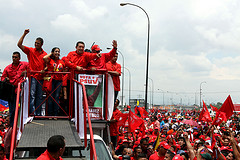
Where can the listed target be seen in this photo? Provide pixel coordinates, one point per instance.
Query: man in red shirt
(13, 74)
(36, 63)
(113, 124)
(55, 148)
(160, 155)
(114, 69)
(79, 59)
(100, 63)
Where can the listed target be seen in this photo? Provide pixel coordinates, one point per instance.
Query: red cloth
(114, 126)
(116, 80)
(14, 72)
(156, 157)
(224, 112)
(73, 59)
(56, 66)
(143, 112)
(35, 59)
(122, 119)
(46, 156)
(214, 108)
(205, 115)
(100, 63)
(134, 121)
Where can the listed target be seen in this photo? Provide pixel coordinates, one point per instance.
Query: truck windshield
(101, 149)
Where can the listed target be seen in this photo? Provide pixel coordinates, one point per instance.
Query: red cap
(178, 157)
(164, 145)
(226, 148)
(96, 48)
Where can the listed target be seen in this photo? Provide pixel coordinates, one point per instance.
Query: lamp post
(201, 92)
(129, 88)
(152, 89)
(148, 35)
(122, 72)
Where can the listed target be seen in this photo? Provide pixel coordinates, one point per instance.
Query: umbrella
(190, 122)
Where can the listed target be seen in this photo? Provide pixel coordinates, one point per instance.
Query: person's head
(39, 43)
(80, 47)
(144, 144)
(55, 53)
(181, 141)
(56, 145)
(16, 56)
(96, 49)
(163, 148)
(137, 151)
(169, 155)
(127, 151)
(114, 59)
(226, 142)
(184, 155)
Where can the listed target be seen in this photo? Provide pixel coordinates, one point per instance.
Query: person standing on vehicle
(79, 59)
(36, 63)
(55, 148)
(114, 69)
(13, 74)
(100, 63)
(54, 64)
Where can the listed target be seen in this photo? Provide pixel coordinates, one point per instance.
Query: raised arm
(47, 58)
(20, 41)
(189, 146)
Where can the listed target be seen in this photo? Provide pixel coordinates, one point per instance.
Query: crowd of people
(167, 136)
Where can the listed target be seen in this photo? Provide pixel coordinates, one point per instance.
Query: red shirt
(116, 80)
(56, 66)
(113, 126)
(156, 157)
(46, 156)
(35, 58)
(73, 59)
(14, 72)
(100, 63)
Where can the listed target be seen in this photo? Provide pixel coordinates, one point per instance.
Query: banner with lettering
(94, 85)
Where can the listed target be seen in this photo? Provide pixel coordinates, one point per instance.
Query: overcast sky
(191, 41)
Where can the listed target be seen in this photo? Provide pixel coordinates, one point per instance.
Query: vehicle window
(102, 151)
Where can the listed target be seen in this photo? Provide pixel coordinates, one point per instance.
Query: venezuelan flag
(3, 105)
(157, 142)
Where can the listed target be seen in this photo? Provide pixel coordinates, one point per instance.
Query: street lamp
(122, 71)
(152, 89)
(148, 35)
(129, 88)
(201, 92)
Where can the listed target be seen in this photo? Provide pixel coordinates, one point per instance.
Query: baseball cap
(207, 156)
(164, 145)
(96, 48)
(178, 157)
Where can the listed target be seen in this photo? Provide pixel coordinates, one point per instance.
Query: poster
(94, 85)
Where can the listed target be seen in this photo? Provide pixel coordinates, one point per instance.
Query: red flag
(224, 112)
(134, 121)
(122, 119)
(205, 115)
(214, 108)
(213, 141)
(142, 112)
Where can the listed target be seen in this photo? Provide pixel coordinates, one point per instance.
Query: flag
(143, 112)
(156, 142)
(224, 112)
(3, 105)
(214, 108)
(213, 141)
(205, 115)
(122, 119)
(134, 121)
